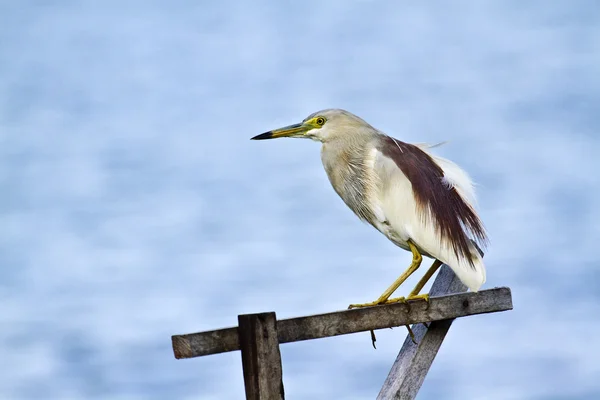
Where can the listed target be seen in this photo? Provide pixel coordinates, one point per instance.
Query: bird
(421, 202)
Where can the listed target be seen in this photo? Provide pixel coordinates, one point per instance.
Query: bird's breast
(348, 171)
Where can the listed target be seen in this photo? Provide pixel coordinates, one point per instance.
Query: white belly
(399, 225)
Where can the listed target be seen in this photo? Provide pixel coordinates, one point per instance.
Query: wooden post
(258, 336)
(351, 321)
(261, 359)
(414, 360)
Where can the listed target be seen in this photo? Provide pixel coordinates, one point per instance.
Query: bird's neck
(344, 163)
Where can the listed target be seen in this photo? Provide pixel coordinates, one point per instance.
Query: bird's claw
(402, 299)
(378, 302)
(418, 297)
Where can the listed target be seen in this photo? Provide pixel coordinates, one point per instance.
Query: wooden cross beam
(258, 336)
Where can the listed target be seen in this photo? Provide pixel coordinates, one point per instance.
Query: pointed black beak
(263, 136)
(296, 130)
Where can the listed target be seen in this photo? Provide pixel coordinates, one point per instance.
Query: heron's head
(322, 126)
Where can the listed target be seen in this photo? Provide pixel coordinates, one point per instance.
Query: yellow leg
(414, 294)
(385, 297)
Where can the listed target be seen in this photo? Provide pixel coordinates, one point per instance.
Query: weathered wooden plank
(261, 359)
(351, 321)
(414, 360)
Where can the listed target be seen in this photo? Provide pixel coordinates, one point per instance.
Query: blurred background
(134, 206)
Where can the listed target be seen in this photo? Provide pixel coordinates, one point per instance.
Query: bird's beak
(296, 130)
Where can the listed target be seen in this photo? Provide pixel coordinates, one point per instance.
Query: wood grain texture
(356, 320)
(261, 358)
(414, 360)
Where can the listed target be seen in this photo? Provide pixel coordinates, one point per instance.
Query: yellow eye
(320, 121)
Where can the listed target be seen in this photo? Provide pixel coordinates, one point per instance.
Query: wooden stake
(261, 359)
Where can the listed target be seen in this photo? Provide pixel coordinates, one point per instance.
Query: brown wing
(453, 216)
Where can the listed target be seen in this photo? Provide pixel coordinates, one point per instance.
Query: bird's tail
(471, 274)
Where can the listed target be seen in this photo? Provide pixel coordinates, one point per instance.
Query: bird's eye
(320, 121)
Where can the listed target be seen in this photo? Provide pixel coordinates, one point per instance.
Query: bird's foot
(378, 302)
(407, 300)
(418, 297)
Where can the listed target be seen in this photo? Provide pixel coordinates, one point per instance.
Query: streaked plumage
(401, 189)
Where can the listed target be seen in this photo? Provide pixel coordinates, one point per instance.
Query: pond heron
(423, 203)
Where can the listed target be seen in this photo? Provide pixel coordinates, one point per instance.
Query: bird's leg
(385, 297)
(414, 294)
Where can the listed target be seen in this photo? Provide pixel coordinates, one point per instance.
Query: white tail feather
(454, 176)
(473, 276)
